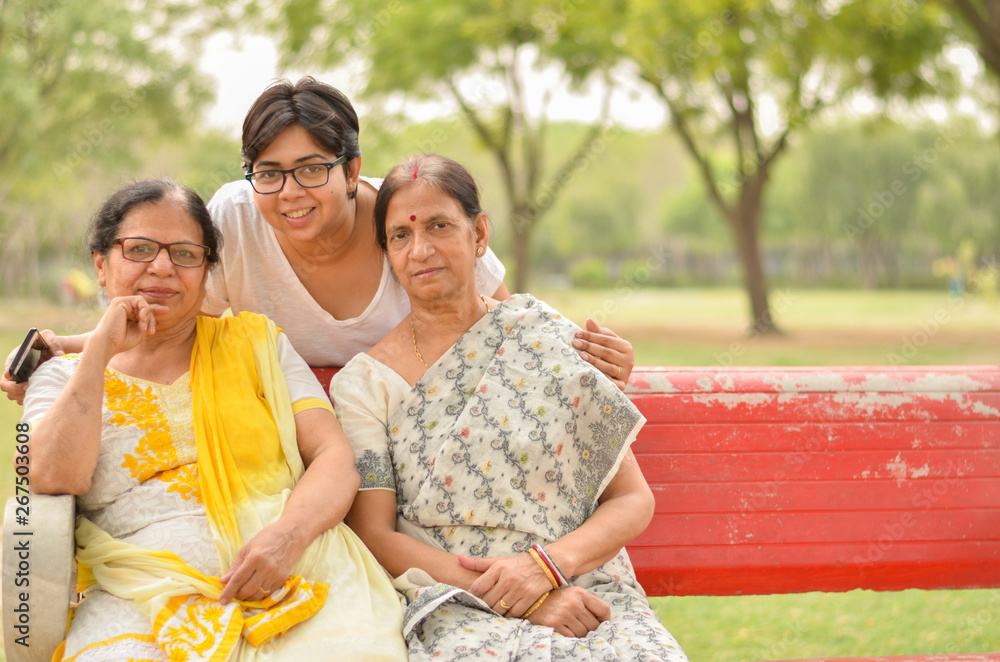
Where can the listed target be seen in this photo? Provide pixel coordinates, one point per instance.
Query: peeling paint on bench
(775, 480)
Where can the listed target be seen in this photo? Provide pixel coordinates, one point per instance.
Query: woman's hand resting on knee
(571, 611)
(512, 584)
(508, 584)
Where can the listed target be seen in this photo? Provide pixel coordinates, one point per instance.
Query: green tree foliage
(720, 66)
(873, 197)
(860, 184)
(81, 82)
(478, 55)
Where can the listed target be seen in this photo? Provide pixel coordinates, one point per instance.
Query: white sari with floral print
(508, 440)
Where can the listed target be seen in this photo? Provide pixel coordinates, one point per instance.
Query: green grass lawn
(819, 327)
(706, 327)
(858, 623)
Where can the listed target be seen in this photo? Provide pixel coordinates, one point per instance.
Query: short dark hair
(104, 226)
(433, 170)
(321, 109)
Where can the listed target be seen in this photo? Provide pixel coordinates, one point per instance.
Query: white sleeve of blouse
(46, 384)
(361, 399)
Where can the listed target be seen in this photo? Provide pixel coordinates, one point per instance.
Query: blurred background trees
(845, 143)
(721, 66)
(88, 91)
(485, 60)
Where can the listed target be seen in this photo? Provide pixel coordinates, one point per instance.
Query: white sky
(243, 68)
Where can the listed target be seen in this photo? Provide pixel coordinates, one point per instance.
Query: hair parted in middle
(434, 170)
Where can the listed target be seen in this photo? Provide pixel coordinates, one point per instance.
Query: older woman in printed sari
(210, 472)
(497, 484)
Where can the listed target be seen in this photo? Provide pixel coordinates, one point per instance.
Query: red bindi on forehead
(413, 217)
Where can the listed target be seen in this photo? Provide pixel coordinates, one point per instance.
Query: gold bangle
(545, 568)
(532, 608)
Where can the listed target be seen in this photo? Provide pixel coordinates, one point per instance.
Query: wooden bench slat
(812, 379)
(854, 554)
(809, 436)
(899, 465)
(736, 408)
(772, 569)
(779, 494)
(969, 525)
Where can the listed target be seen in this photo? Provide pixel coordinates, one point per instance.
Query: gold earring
(480, 251)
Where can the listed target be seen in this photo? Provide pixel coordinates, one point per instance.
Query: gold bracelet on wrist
(545, 568)
(534, 607)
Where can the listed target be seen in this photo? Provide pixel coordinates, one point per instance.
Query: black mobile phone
(26, 359)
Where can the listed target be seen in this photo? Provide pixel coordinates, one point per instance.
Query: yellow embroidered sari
(188, 473)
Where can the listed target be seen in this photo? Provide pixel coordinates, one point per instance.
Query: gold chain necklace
(413, 332)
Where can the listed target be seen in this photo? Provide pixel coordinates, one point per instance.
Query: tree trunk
(869, 263)
(744, 220)
(522, 226)
(754, 280)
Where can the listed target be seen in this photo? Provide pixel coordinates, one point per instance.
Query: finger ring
(504, 604)
(619, 373)
(266, 593)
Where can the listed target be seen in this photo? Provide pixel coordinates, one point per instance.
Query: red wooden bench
(786, 480)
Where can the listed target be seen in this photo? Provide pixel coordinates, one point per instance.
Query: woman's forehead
(161, 217)
(416, 197)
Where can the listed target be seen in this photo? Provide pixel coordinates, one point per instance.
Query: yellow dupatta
(241, 406)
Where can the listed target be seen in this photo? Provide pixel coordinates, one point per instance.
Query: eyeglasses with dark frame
(309, 175)
(182, 253)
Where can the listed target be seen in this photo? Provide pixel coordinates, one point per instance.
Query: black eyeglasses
(310, 175)
(183, 254)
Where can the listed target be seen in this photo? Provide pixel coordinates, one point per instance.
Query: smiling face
(180, 289)
(431, 244)
(306, 214)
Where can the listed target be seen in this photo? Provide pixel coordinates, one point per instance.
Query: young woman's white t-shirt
(255, 275)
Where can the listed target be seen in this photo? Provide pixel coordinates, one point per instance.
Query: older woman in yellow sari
(211, 475)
